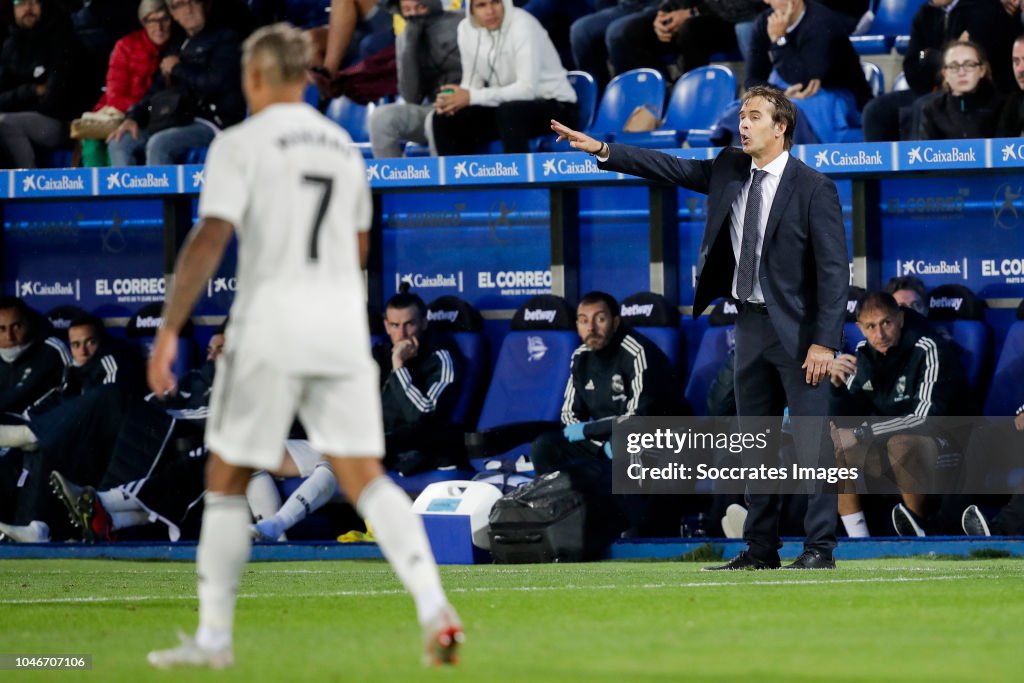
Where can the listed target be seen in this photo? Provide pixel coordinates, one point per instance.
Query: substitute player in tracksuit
(903, 373)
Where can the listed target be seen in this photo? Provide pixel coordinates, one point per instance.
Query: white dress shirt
(769, 185)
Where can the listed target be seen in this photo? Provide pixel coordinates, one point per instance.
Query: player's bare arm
(200, 256)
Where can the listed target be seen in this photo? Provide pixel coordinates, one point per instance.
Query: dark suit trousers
(767, 380)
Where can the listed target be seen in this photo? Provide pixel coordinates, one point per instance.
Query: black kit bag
(170, 108)
(543, 521)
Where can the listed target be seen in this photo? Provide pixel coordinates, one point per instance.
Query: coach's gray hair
(283, 51)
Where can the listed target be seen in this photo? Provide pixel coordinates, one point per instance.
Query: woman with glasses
(969, 106)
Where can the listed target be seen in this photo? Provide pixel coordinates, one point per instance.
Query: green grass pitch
(873, 620)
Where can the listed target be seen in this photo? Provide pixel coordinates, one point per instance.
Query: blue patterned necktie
(748, 242)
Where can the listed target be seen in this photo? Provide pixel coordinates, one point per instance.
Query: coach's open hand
(818, 363)
(577, 140)
(158, 372)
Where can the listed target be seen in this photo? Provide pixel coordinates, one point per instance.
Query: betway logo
(638, 309)
(131, 181)
(389, 172)
(42, 183)
(475, 169)
(450, 316)
(149, 322)
(729, 308)
(930, 155)
(947, 302)
(547, 316)
(567, 167)
(943, 267)
(34, 288)
(837, 157)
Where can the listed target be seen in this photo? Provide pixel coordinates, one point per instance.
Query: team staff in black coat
(792, 278)
(614, 373)
(905, 372)
(32, 364)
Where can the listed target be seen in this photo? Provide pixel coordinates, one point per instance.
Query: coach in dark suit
(774, 239)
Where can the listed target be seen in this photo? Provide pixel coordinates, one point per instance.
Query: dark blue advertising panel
(967, 231)
(101, 255)
(491, 248)
(614, 240)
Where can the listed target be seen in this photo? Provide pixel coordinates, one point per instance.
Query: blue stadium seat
(626, 92)
(586, 96)
(141, 332)
(653, 316)
(892, 19)
(530, 374)
(1004, 392)
(874, 77)
(307, 13)
(714, 348)
(958, 314)
(353, 117)
(851, 333)
(697, 101)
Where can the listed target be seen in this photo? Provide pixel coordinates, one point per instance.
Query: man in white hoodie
(513, 83)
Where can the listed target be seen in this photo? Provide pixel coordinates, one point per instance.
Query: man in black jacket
(903, 374)
(41, 86)
(32, 364)
(196, 93)
(615, 373)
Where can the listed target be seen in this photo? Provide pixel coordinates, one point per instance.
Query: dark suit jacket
(804, 269)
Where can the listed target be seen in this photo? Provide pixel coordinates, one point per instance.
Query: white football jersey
(295, 189)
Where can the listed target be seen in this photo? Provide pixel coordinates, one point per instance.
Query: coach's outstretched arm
(578, 140)
(200, 256)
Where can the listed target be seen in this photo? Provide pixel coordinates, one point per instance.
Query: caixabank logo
(956, 269)
(556, 167)
(942, 155)
(193, 178)
(487, 170)
(450, 280)
(120, 181)
(849, 158)
(66, 289)
(1007, 153)
(57, 183)
(402, 172)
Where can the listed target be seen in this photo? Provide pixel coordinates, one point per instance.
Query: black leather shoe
(744, 561)
(812, 559)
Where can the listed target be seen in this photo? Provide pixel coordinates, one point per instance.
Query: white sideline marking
(485, 589)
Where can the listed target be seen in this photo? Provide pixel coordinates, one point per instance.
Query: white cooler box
(455, 515)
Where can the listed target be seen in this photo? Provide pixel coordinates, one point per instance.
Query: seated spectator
(896, 115)
(512, 85)
(1011, 121)
(419, 387)
(196, 93)
(909, 292)
(614, 373)
(32, 363)
(133, 63)
(73, 429)
(905, 372)
(593, 37)
(803, 48)
(970, 105)
(156, 471)
(428, 57)
(692, 30)
(356, 30)
(41, 87)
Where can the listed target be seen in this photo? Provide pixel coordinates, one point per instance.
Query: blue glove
(574, 432)
(608, 448)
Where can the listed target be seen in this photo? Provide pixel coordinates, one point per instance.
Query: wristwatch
(859, 434)
(781, 42)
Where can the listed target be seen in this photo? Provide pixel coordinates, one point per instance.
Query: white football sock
(401, 537)
(311, 495)
(856, 525)
(116, 500)
(33, 532)
(123, 520)
(264, 500)
(220, 559)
